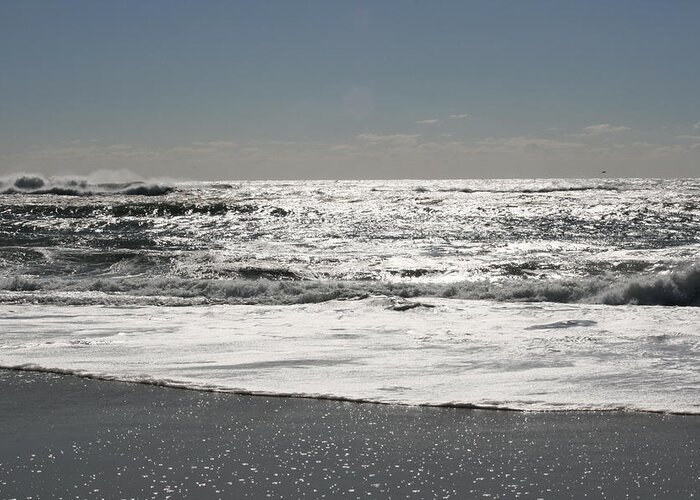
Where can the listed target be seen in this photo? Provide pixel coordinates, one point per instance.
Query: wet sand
(68, 437)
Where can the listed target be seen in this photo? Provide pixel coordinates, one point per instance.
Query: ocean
(538, 295)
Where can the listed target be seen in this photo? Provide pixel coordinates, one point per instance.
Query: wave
(525, 190)
(680, 288)
(78, 186)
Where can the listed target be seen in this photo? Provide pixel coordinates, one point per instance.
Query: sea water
(519, 294)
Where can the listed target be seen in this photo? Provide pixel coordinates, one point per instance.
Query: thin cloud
(512, 144)
(602, 129)
(429, 121)
(459, 116)
(691, 141)
(216, 144)
(390, 139)
(673, 149)
(342, 148)
(697, 126)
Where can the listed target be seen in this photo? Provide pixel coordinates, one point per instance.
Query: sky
(350, 89)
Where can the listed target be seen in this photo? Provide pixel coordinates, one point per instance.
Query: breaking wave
(78, 186)
(680, 288)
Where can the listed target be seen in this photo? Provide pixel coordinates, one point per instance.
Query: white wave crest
(23, 183)
(680, 288)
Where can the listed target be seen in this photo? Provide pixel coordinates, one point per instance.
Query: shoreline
(331, 398)
(71, 436)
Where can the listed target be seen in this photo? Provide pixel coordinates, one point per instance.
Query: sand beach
(70, 437)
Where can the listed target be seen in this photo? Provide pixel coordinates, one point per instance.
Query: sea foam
(480, 354)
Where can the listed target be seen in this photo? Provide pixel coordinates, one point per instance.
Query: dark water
(604, 241)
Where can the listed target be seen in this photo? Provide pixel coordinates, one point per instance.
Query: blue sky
(320, 89)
